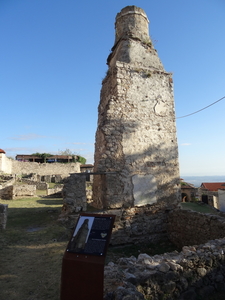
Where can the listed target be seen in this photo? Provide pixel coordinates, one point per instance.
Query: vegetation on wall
(76, 157)
(43, 156)
(81, 160)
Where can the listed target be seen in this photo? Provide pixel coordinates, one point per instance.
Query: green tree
(81, 160)
(76, 157)
(43, 156)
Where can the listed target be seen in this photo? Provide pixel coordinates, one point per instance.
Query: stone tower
(136, 152)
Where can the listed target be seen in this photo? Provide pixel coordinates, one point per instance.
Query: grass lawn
(33, 244)
(31, 250)
(199, 207)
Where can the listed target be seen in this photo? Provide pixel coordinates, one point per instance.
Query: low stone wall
(194, 273)
(39, 185)
(7, 193)
(15, 191)
(24, 190)
(139, 224)
(6, 181)
(186, 227)
(56, 191)
(3, 215)
(132, 225)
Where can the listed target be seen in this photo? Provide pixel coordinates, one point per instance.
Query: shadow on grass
(49, 201)
(199, 207)
(161, 247)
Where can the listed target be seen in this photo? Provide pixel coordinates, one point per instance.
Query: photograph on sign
(91, 235)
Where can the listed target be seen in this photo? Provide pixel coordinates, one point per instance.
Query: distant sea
(198, 180)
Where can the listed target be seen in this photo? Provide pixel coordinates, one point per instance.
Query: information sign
(91, 234)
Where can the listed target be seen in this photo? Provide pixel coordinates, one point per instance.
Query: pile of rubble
(195, 272)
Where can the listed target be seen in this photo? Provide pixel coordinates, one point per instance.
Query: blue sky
(53, 59)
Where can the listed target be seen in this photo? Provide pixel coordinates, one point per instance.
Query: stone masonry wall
(6, 186)
(132, 225)
(24, 190)
(19, 167)
(56, 191)
(136, 144)
(194, 273)
(39, 185)
(74, 195)
(192, 228)
(139, 225)
(15, 191)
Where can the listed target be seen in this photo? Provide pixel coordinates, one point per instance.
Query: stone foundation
(56, 191)
(192, 274)
(193, 228)
(15, 191)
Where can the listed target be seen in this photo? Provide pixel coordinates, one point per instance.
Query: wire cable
(201, 109)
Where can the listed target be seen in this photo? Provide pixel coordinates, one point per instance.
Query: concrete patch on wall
(144, 190)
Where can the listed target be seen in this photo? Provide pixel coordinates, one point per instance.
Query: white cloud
(83, 143)
(185, 144)
(26, 137)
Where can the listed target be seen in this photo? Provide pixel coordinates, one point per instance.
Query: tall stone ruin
(136, 152)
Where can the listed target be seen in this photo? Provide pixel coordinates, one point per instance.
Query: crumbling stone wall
(136, 145)
(39, 185)
(56, 191)
(74, 195)
(19, 167)
(6, 182)
(194, 273)
(14, 191)
(139, 225)
(132, 225)
(192, 228)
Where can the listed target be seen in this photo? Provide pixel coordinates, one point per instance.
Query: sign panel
(92, 234)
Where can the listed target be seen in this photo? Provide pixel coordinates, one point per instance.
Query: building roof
(213, 186)
(2, 151)
(186, 185)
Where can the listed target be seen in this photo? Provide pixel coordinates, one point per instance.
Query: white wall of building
(221, 196)
(5, 164)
